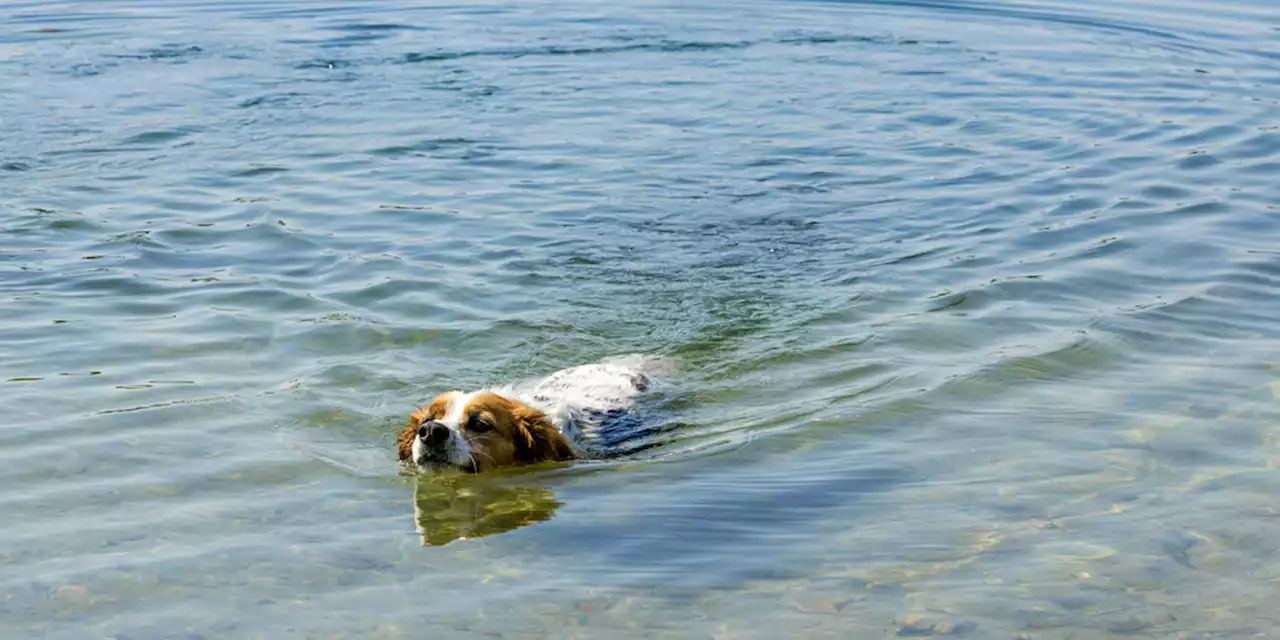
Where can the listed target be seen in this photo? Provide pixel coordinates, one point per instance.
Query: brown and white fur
(546, 420)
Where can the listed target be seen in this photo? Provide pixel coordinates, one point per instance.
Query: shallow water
(973, 307)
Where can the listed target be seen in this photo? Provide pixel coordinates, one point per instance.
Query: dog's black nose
(433, 433)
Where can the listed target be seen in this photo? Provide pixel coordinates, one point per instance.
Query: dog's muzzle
(439, 446)
(433, 433)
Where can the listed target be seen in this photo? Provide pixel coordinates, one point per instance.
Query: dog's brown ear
(538, 440)
(405, 440)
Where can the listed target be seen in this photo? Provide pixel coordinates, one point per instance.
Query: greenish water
(973, 308)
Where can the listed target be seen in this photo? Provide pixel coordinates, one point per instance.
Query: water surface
(973, 307)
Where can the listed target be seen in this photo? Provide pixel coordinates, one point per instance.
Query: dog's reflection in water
(458, 506)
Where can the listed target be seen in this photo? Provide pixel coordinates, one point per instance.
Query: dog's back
(577, 399)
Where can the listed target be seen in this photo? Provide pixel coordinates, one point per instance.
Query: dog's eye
(478, 424)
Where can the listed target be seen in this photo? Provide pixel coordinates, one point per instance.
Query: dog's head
(479, 431)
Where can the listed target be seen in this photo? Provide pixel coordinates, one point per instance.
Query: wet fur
(522, 434)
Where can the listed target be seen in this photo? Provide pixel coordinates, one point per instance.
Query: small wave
(1013, 11)
(664, 46)
(165, 53)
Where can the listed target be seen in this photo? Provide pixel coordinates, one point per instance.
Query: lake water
(974, 310)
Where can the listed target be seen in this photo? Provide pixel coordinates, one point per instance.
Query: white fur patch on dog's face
(455, 451)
